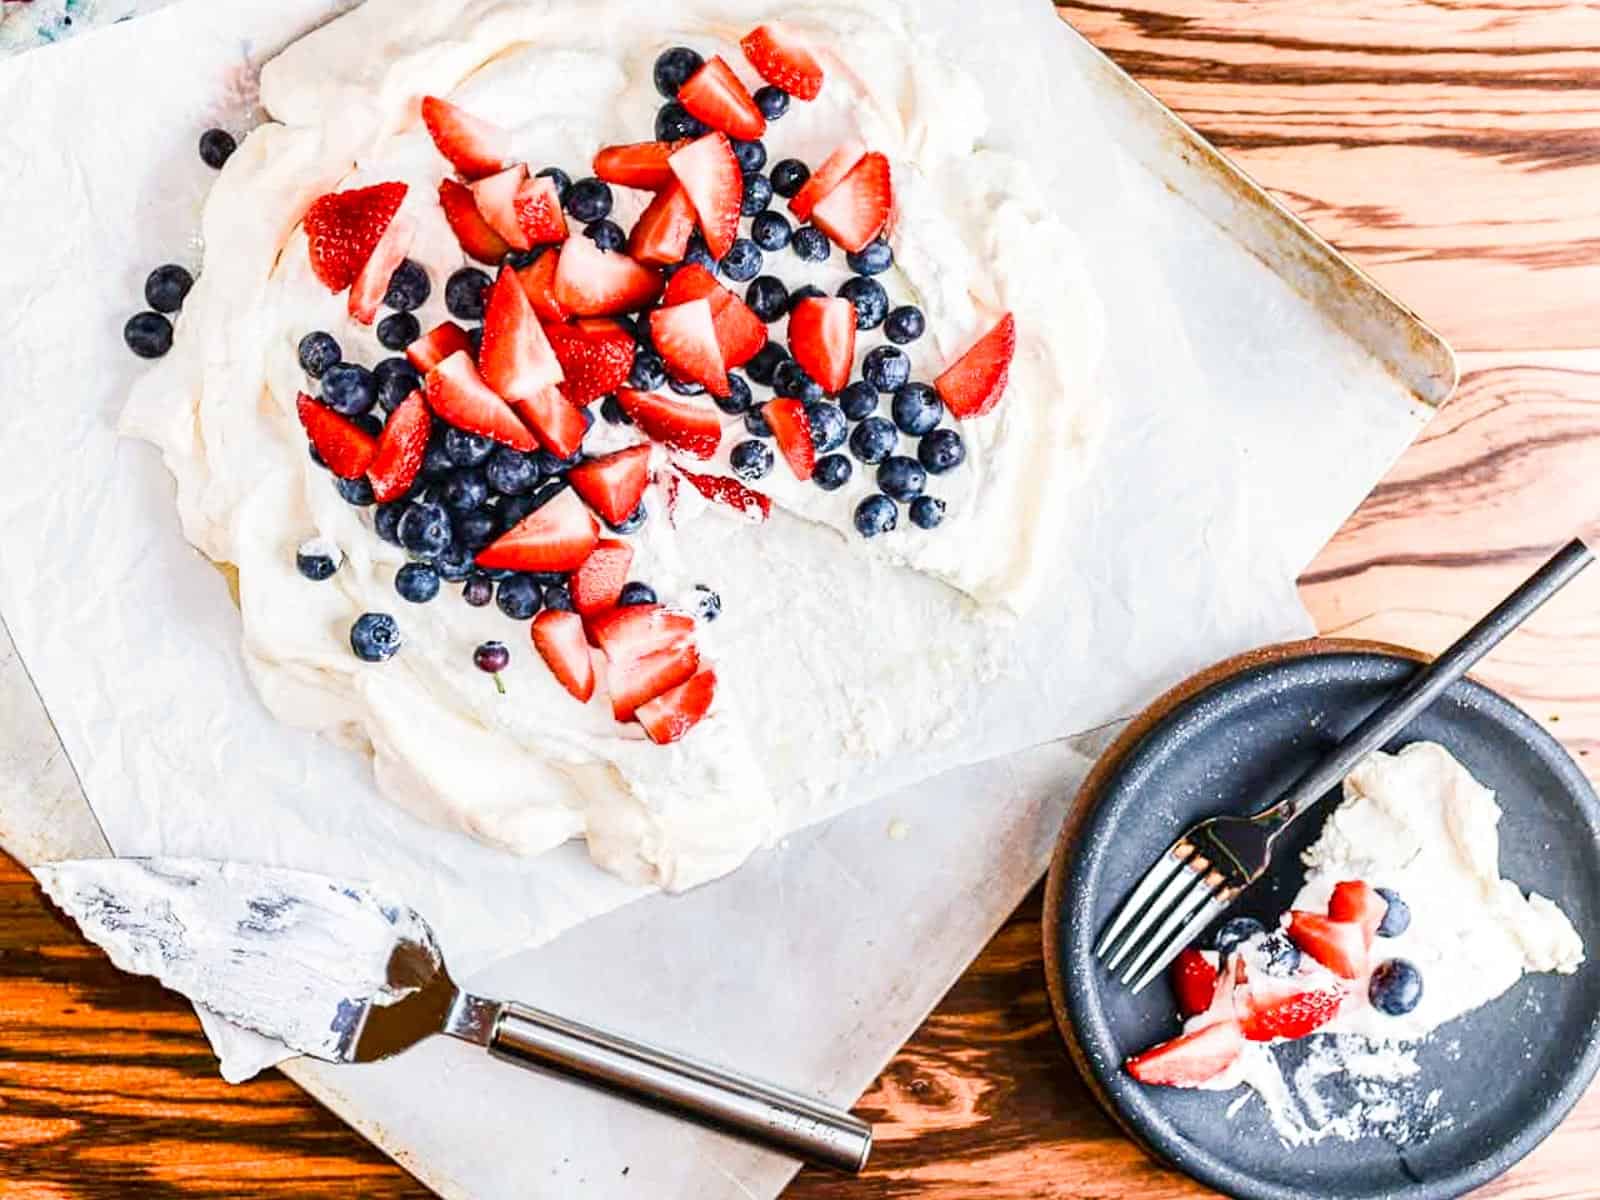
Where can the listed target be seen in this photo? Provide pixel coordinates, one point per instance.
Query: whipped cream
(831, 652)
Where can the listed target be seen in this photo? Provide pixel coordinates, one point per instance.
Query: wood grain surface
(1453, 148)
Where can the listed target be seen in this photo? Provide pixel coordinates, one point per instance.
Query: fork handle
(1429, 682)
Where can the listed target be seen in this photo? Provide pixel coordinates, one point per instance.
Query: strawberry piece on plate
(710, 174)
(827, 177)
(1271, 1007)
(559, 639)
(539, 281)
(729, 491)
(640, 165)
(715, 95)
(1194, 981)
(496, 198)
(792, 429)
(591, 282)
(556, 420)
(597, 585)
(1359, 904)
(661, 235)
(344, 446)
(649, 650)
(676, 424)
(740, 333)
(343, 228)
(822, 338)
(438, 344)
(366, 293)
(556, 536)
(613, 484)
(686, 338)
(458, 394)
(401, 448)
(516, 359)
(595, 357)
(1190, 1059)
(1338, 945)
(538, 211)
(974, 383)
(475, 147)
(467, 223)
(677, 710)
(783, 59)
(855, 211)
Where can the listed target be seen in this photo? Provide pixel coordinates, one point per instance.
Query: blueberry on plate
(632, 522)
(354, 491)
(767, 297)
(408, 287)
(772, 101)
(611, 409)
(674, 122)
(1239, 929)
(904, 325)
(589, 199)
(417, 582)
(466, 449)
(872, 259)
(832, 471)
(886, 368)
(511, 472)
(752, 155)
(698, 252)
(1277, 955)
(559, 597)
(916, 408)
(465, 490)
(166, 286)
(318, 351)
(738, 398)
(757, 195)
(828, 426)
(648, 372)
(873, 440)
(436, 464)
(216, 147)
(765, 362)
(399, 330)
(876, 514)
(751, 459)
(478, 590)
(465, 293)
(519, 597)
(927, 512)
(810, 244)
(1397, 917)
(902, 478)
(476, 529)
(742, 262)
(791, 382)
(386, 520)
(607, 235)
(560, 178)
(755, 423)
(374, 637)
(491, 658)
(317, 559)
(859, 400)
(789, 176)
(941, 451)
(148, 334)
(871, 301)
(1396, 987)
(673, 68)
(636, 593)
(424, 528)
(454, 563)
(395, 379)
(770, 230)
(349, 389)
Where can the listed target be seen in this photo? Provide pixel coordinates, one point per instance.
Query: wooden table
(1454, 150)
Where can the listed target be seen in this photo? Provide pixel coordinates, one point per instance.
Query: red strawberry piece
(661, 234)
(467, 223)
(438, 344)
(591, 282)
(1194, 981)
(715, 95)
(342, 228)
(458, 394)
(1359, 904)
(556, 536)
(597, 585)
(692, 282)
(539, 281)
(556, 420)
(1338, 945)
(496, 198)
(648, 650)
(1269, 1007)
(475, 147)
(640, 165)
(538, 210)
(792, 429)
(559, 639)
(827, 177)
(822, 338)
(974, 383)
(639, 680)
(613, 484)
(344, 446)
(516, 359)
(640, 629)
(710, 174)
(854, 213)
(596, 359)
(1190, 1059)
(676, 711)
(401, 447)
(686, 338)
(724, 490)
(366, 293)
(740, 333)
(676, 424)
(783, 59)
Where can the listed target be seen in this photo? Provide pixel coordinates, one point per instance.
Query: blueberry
(1397, 917)
(791, 381)
(465, 490)
(886, 368)
(767, 360)
(511, 472)
(408, 287)
(454, 563)
(648, 372)
(354, 491)
(876, 514)
(751, 459)
(674, 122)
(464, 293)
(752, 155)
(757, 195)
(636, 593)
(436, 464)
(386, 519)
(607, 235)
(166, 287)
(698, 252)
(872, 259)
(941, 451)
(1396, 987)
(1277, 955)
(832, 471)
(317, 559)
(632, 522)
(742, 262)
(686, 387)
(559, 597)
(828, 426)
(916, 408)
(424, 528)
(811, 244)
(673, 68)
(1233, 932)
(466, 449)
(476, 529)
(738, 398)
(394, 379)
(518, 597)
(370, 423)
(349, 388)
(789, 176)
(478, 590)
(475, 340)
(902, 478)
(491, 657)
(770, 230)
(551, 489)
(873, 440)
(755, 423)
(560, 178)
(707, 604)
(589, 200)
(904, 325)
(550, 463)
(374, 637)
(318, 352)
(772, 101)
(417, 582)
(216, 147)
(805, 291)
(399, 330)
(871, 301)
(611, 410)
(520, 259)
(859, 400)
(148, 334)
(767, 297)
(927, 512)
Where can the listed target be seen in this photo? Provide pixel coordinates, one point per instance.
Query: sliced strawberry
(1337, 945)
(639, 165)
(539, 281)
(596, 359)
(342, 228)
(1190, 1059)
(676, 711)
(974, 383)
(676, 424)
(591, 282)
(710, 174)
(401, 448)
(1359, 904)
(826, 177)
(648, 650)
(496, 198)
(1194, 981)
(692, 282)
(822, 338)
(516, 359)
(740, 333)
(686, 338)
(475, 147)
(662, 232)
(715, 95)
(639, 680)
(556, 420)
(783, 59)
(597, 585)
(725, 490)
(1272, 1006)
(438, 344)
(556, 536)
(366, 293)
(458, 394)
(856, 211)
(558, 637)
(792, 429)
(538, 211)
(467, 223)
(344, 446)
(613, 484)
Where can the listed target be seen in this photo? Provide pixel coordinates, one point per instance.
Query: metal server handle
(723, 1100)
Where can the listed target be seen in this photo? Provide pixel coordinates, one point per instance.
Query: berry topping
(1270, 1007)
(639, 165)
(1397, 917)
(661, 235)
(767, 296)
(589, 199)
(974, 383)
(398, 330)
(904, 325)
(607, 235)
(596, 356)
(783, 59)
(636, 593)
(148, 334)
(408, 288)
(473, 233)
(690, 428)
(349, 389)
(417, 582)
(648, 650)
(707, 605)
(792, 429)
(519, 597)
(885, 367)
(871, 301)
(537, 206)
(166, 286)
(810, 244)
(478, 590)
(613, 484)
(496, 198)
(832, 472)
(343, 228)
(317, 559)
(491, 658)
(874, 258)
(1191, 1059)
(538, 279)
(216, 147)
(591, 282)
(559, 423)
(789, 176)
(825, 178)
(474, 147)
(901, 478)
(597, 584)
(557, 536)
(742, 262)
(751, 460)
(401, 448)
(516, 360)
(458, 394)
(730, 492)
(856, 210)
(346, 448)
(438, 344)
(752, 156)
(873, 440)
(374, 637)
(828, 426)
(874, 515)
(859, 400)
(770, 231)
(757, 194)
(1359, 904)
(772, 101)
(318, 351)
(713, 94)
(673, 68)
(466, 293)
(941, 451)
(710, 174)
(354, 491)
(686, 338)
(558, 637)
(740, 333)
(677, 710)
(424, 528)
(1338, 945)
(464, 491)
(1396, 987)
(738, 398)
(674, 123)
(1194, 981)
(822, 338)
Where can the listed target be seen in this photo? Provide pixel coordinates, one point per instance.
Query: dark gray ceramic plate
(1519, 1064)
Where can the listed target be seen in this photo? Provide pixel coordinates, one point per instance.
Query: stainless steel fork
(1204, 871)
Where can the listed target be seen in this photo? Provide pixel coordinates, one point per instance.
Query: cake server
(342, 973)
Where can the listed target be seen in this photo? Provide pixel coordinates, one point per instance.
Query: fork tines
(1178, 897)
